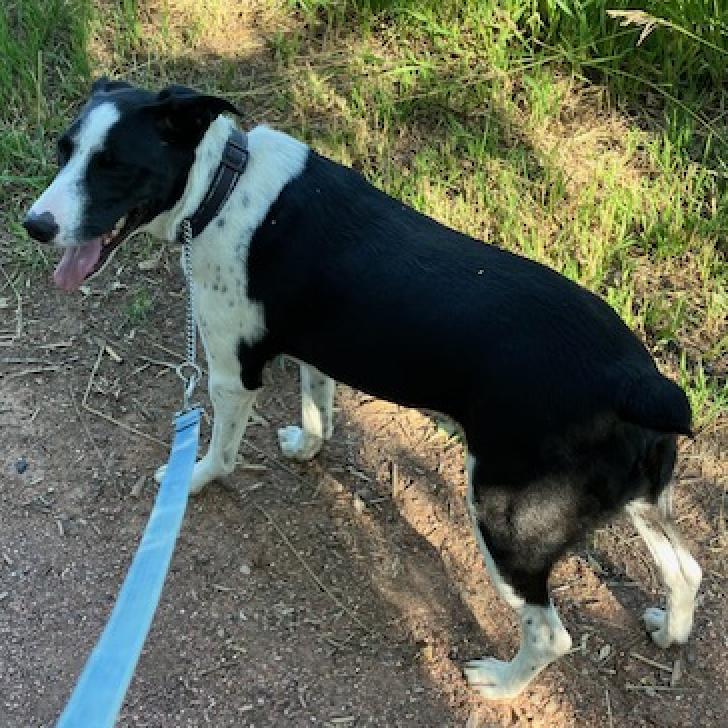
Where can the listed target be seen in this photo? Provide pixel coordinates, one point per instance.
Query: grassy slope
(477, 113)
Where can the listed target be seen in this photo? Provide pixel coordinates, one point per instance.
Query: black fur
(563, 409)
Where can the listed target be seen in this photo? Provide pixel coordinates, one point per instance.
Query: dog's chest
(224, 313)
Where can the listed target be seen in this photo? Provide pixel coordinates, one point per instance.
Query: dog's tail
(653, 401)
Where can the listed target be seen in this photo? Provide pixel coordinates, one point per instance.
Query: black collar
(229, 171)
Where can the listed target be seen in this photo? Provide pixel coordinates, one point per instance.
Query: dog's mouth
(81, 262)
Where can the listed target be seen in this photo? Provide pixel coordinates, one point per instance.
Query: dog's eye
(65, 148)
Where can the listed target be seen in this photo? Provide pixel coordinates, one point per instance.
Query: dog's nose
(42, 228)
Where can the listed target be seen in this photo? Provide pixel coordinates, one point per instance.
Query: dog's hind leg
(232, 405)
(678, 570)
(520, 576)
(317, 400)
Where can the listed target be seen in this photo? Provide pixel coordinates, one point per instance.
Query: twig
(103, 415)
(126, 427)
(609, 709)
(158, 362)
(395, 480)
(311, 573)
(136, 489)
(22, 360)
(94, 369)
(175, 354)
(57, 345)
(275, 460)
(104, 463)
(18, 305)
(32, 370)
(663, 688)
(659, 665)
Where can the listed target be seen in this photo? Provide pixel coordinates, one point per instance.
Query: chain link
(190, 364)
(191, 328)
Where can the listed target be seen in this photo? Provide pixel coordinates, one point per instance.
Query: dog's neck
(207, 158)
(274, 159)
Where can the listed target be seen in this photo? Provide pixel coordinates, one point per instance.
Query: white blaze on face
(65, 197)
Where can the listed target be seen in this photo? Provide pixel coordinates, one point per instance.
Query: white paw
(655, 620)
(494, 679)
(204, 472)
(298, 445)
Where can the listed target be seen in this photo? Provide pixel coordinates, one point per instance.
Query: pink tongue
(76, 264)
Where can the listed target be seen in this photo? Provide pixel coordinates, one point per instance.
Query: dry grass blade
(103, 415)
(18, 305)
(311, 572)
(105, 464)
(610, 719)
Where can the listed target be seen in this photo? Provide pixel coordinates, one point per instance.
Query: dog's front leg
(317, 401)
(232, 405)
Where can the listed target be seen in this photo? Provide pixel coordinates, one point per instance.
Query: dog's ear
(183, 115)
(105, 84)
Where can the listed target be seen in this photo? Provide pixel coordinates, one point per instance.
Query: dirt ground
(345, 592)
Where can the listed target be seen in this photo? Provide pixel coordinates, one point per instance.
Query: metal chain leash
(188, 371)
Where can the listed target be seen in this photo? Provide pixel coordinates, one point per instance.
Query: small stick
(175, 354)
(124, 426)
(22, 360)
(18, 306)
(311, 573)
(104, 463)
(275, 460)
(676, 673)
(664, 688)
(136, 489)
(158, 362)
(112, 354)
(94, 369)
(58, 345)
(609, 709)
(103, 415)
(32, 370)
(395, 480)
(659, 665)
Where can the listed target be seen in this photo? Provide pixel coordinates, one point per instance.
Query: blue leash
(99, 692)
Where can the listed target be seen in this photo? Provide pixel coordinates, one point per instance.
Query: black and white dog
(566, 417)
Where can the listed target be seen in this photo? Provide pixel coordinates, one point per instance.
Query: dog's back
(391, 302)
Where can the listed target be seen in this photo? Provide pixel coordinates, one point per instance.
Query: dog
(567, 420)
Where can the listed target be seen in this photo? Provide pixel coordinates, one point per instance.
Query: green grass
(542, 126)
(138, 306)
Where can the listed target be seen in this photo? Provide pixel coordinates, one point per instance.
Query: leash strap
(99, 692)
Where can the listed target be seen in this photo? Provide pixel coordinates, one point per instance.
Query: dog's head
(122, 162)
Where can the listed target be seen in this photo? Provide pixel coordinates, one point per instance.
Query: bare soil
(245, 634)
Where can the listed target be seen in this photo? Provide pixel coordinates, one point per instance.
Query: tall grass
(477, 112)
(585, 31)
(43, 49)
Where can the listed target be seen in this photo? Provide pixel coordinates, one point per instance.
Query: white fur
(317, 398)
(65, 198)
(678, 570)
(224, 313)
(543, 640)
